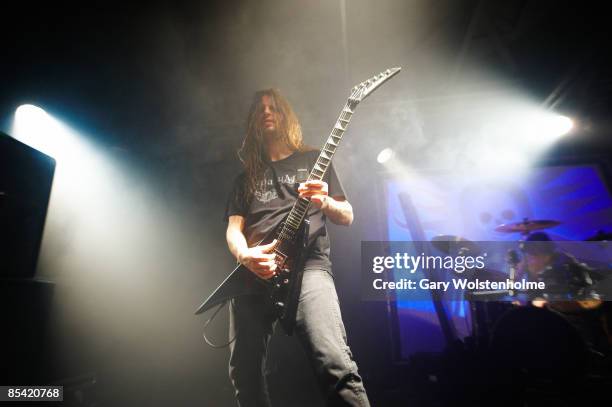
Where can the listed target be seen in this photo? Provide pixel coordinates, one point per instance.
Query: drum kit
(498, 315)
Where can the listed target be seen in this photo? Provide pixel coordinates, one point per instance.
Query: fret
(284, 235)
(287, 233)
(330, 148)
(295, 223)
(303, 206)
(318, 176)
(297, 220)
(320, 173)
(329, 156)
(318, 167)
(299, 215)
(322, 164)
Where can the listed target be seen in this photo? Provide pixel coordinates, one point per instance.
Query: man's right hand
(260, 260)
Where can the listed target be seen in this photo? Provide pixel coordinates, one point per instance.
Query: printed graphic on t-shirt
(266, 191)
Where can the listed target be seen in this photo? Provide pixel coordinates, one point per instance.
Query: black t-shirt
(273, 200)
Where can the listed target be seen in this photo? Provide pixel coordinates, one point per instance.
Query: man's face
(269, 116)
(536, 263)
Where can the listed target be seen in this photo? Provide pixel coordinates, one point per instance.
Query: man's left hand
(316, 191)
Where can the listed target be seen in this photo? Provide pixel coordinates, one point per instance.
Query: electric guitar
(292, 234)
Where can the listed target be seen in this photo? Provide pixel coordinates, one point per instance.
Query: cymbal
(526, 226)
(451, 243)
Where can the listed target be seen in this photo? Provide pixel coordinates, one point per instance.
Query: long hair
(253, 152)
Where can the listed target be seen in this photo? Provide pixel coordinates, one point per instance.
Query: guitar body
(282, 290)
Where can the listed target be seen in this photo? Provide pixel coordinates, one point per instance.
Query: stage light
(559, 125)
(38, 129)
(81, 167)
(385, 155)
(32, 126)
(31, 111)
(543, 128)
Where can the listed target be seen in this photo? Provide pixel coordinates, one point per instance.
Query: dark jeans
(319, 329)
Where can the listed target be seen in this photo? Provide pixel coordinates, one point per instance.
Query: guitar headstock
(364, 89)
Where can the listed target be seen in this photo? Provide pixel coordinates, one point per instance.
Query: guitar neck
(300, 207)
(331, 145)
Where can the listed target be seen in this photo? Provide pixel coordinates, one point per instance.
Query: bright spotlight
(385, 155)
(32, 111)
(38, 129)
(542, 128)
(560, 125)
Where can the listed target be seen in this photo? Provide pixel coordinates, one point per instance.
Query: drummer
(566, 280)
(564, 276)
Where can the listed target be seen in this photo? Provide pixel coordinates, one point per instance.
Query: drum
(484, 315)
(539, 341)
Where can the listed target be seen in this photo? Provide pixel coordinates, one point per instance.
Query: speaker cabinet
(26, 176)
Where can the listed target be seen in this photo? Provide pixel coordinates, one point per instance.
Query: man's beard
(271, 134)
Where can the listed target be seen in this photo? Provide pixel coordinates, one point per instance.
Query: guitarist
(276, 166)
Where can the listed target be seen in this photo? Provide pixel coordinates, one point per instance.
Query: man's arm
(236, 241)
(337, 209)
(258, 259)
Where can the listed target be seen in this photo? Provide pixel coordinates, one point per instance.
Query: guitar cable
(209, 342)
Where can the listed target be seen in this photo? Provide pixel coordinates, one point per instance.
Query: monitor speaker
(26, 176)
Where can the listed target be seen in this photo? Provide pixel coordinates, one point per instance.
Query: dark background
(164, 87)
